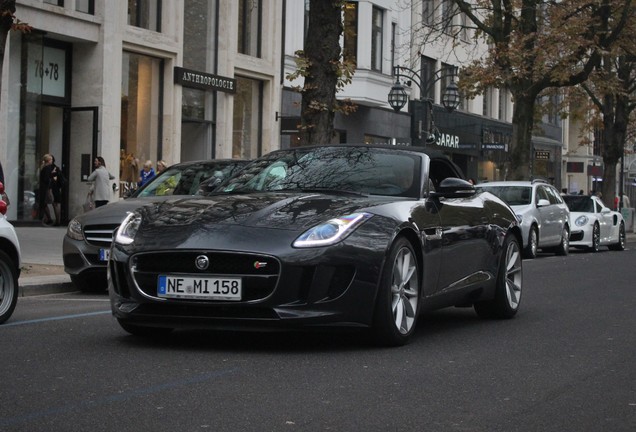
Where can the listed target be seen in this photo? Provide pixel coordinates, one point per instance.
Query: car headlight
(332, 231)
(74, 230)
(128, 228)
(581, 220)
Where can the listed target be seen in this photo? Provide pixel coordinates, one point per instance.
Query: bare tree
(534, 45)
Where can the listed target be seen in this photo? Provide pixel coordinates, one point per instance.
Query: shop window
(85, 6)
(141, 113)
(248, 103)
(377, 28)
(145, 14)
(350, 50)
(249, 27)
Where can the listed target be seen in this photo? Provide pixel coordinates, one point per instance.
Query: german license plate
(194, 287)
(104, 254)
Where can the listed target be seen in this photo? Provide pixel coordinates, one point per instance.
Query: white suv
(542, 213)
(10, 264)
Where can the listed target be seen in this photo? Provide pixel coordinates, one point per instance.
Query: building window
(55, 2)
(447, 14)
(85, 6)
(141, 113)
(427, 73)
(249, 27)
(145, 14)
(350, 50)
(428, 12)
(486, 101)
(197, 122)
(306, 23)
(248, 107)
(503, 104)
(377, 28)
(393, 45)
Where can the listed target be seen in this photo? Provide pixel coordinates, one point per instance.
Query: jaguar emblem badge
(202, 262)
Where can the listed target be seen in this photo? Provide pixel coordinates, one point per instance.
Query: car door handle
(429, 234)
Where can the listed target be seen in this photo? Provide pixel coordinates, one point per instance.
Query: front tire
(564, 247)
(507, 297)
(533, 244)
(596, 238)
(398, 301)
(8, 286)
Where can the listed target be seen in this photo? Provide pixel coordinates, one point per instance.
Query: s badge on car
(202, 262)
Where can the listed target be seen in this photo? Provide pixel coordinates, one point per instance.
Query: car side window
(541, 194)
(553, 196)
(440, 170)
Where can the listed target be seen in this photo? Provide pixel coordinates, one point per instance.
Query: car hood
(114, 213)
(284, 211)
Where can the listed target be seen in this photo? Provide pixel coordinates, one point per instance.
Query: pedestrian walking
(56, 185)
(101, 182)
(161, 166)
(45, 194)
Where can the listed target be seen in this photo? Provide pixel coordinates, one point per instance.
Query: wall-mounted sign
(46, 70)
(204, 81)
(542, 155)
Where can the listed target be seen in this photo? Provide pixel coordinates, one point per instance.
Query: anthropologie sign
(203, 81)
(46, 70)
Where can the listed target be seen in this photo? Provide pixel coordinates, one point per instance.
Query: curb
(41, 285)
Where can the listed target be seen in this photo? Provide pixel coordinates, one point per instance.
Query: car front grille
(100, 235)
(259, 273)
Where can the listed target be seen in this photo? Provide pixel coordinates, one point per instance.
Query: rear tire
(8, 286)
(620, 245)
(398, 302)
(507, 297)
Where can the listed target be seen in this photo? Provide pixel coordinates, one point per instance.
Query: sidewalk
(42, 264)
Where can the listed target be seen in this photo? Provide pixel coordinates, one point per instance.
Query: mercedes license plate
(104, 254)
(194, 287)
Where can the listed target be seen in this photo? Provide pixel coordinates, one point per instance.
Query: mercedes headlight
(74, 230)
(332, 231)
(126, 232)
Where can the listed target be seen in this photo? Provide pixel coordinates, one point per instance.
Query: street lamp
(397, 99)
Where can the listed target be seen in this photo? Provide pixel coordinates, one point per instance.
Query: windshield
(363, 170)
(579, 203)
(187, 179)
(512, 195)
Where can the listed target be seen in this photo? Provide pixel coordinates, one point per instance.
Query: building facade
(131, 81)
(138, 80)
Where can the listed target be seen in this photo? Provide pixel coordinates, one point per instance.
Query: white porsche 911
(594, 225)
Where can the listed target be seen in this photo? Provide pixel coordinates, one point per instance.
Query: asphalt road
(565, 363)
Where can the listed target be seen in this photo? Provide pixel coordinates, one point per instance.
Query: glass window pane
(249, 27)
(140, 113)
(247, 119)
(145, 14)
(85, 6)
(376, 41)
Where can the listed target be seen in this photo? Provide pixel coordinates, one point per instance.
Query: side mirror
(453, 187)
(543, 203)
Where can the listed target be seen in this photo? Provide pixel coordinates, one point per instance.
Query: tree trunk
(521, 144)
(322, 50)
(615, 121)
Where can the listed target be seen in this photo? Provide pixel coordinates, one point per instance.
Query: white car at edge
(594, 224)
(10, 264)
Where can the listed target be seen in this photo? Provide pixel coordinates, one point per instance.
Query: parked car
(10, 264)
(542, 213)
(594, 224)
(87, 241)
(355, 236)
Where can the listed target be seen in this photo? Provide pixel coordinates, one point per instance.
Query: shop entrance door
(80, 138)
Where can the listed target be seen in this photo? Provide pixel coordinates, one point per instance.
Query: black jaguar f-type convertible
(350, 236)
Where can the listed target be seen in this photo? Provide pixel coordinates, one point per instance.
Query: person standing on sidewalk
(101, 182)
(45, 195)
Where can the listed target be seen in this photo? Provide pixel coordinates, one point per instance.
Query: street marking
(63, 317)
